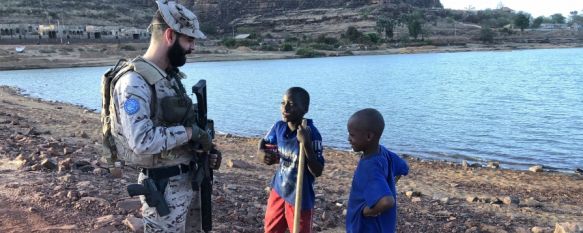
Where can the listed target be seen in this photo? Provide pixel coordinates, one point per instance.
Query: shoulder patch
(131, 106)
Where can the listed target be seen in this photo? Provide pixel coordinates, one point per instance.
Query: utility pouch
(176, 109)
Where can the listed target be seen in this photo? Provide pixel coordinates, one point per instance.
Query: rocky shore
(51, 180)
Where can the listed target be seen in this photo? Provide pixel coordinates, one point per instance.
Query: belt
(165, 172)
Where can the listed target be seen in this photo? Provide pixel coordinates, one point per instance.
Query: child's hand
(368, 212)
(267, 155)
(304, 134)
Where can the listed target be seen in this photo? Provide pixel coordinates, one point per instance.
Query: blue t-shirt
(373, 179)
(284, 180)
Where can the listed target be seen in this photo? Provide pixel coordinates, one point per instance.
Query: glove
(201, 137)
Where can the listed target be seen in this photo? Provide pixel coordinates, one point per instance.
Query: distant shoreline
(92, 55)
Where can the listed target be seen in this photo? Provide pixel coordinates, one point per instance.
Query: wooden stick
(299, 184)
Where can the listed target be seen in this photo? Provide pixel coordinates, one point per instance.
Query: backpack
(108, 81)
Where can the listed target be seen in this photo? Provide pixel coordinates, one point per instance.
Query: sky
(534, 7)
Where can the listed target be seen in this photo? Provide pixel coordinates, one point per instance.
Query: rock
(531, 202)
(100, 201)
(475, 165)
(100, 171)
(579, 171)
(83, 121)
(35, 167)
(135, 224)
(472, 230)
(129, 205)
(411, 194)
(508, 200)
(49, 164)
(493, 165)
(471, 199)
(465, 164)
(66, 178)
(107, 220)
(57, 228)
(496, 201)
(521, 230)
(235, 163)
(73, 195)
(65, 165)
(537, 168)
(568, 227)
(491, 229)
(415, 199)
(83, 134)
(541, 230)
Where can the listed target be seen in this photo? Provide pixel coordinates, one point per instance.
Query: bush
(373, 38)
(321, 46)
(308, 52)
(229, 42)
(287, 47)
(291, 40)
(268, 47)
(487, 35)
(353, 34)
(327, 40)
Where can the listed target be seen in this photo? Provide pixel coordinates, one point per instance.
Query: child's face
(358, 138)
(293, 108)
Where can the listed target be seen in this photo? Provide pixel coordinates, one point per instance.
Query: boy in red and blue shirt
(286, 135)
(372, 204)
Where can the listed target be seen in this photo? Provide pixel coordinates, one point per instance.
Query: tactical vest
(114, 140)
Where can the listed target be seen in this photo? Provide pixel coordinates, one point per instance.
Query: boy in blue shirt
(372, 204)
(282, 145)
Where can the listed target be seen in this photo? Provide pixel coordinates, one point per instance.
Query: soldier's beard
(177, 55)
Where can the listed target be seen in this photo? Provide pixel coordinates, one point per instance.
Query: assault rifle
(204, 176)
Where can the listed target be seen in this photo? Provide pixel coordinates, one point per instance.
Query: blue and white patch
(131, 106)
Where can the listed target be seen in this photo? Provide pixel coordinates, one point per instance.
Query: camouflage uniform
(144, 140)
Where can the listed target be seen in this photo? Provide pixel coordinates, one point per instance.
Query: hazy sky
(534, 7)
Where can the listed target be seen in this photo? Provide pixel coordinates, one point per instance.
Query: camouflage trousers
(184, 205)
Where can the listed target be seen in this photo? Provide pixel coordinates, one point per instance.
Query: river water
(516, 107)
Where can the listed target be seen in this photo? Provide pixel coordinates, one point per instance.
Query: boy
(282, 145)
(372, 204)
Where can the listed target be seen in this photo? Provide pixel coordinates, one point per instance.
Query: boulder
(568, 227)
(508, 200)
(537, 168)
(235, 163)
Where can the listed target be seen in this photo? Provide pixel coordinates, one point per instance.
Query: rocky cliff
(223, 12)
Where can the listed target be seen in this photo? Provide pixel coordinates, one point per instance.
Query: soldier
(143, 135)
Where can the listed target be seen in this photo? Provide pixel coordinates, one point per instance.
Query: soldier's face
(182, 46)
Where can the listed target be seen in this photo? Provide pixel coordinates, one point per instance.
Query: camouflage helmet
(180, 19)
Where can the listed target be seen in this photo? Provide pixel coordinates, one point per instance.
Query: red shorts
(280, 216)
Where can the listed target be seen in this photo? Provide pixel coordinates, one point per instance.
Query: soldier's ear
(169, 36)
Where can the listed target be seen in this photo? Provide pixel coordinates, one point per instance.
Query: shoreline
(93, 55)
(471, 161)
(52, 179)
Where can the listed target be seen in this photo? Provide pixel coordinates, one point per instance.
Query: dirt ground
(51, 180)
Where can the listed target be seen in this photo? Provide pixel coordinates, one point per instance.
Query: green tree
(575, 18)
(414, 27)
(522, 20)
(537, 22)
(414, 23)
(558, 18)
(487, 35)
(353, 34)
(386, 25)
